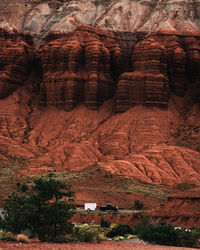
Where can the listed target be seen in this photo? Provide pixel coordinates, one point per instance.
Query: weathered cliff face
(78, 67)
(40, 17)
(16, 60)
(164, 61)
(91, 65)
(148, 83)
(62, 97)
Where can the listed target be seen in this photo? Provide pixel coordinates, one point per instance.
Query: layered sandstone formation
(91, 65)
(136, 144)
(164, 61)
(81, 64)
(183, 54)
(85, 86)
(16, 60)
(77, 68)
(148, 83)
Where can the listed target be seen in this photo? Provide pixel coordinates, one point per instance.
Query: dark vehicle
(109, 207)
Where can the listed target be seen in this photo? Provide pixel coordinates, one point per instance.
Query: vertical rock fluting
(77, 68)
(90, 65)
(176, 60)
(183, 58)
(148, 83)
(16, 58)
(192, 47)
(61, 59)
(165, 60)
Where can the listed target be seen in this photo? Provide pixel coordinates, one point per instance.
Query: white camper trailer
(90, 206)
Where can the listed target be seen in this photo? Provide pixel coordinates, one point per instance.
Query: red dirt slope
(182, 209)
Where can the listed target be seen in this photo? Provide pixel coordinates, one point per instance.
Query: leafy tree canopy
(45, 209)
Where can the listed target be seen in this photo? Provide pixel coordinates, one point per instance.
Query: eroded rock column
(148, 83)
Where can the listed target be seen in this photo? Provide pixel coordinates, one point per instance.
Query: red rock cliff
(91, 65)
(16, 60)
(77, 68)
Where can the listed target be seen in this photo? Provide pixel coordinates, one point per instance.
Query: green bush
(161, 233)
(164, 233)
(104, 223)
(197, 229)
(83, 234)
(33, 210)
(8, 236)
(187, 238)
(120, 230)
(138, 205)
(24, 187)
(143, 222)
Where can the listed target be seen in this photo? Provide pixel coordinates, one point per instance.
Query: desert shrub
(104, 223)
(187, 238)
(120, 230)
(185, 186)
(33, 210)
(24, 187)
(161, 233)
(138, 205)
(143, 222)
(22, 238)
(83, 234)
(8, 236)
(197, 229)
(164, 233)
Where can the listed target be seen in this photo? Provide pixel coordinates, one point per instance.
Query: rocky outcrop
(183, 53)
(40, 17)
(148, 83)
(91, 65)
(192, 47)
(77, 68)
(164, 61)
(16, 60)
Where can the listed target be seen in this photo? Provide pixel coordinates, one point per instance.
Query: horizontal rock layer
(92, 65)
(77, 68)
(16, 60)
(136, 144)
(164, 61)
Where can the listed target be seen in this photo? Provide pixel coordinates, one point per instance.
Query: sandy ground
(86, 246)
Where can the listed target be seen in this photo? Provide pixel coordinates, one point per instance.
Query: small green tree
(164, 233)
(120, 230)
(45, 210)
(104, 223)
(138, 205)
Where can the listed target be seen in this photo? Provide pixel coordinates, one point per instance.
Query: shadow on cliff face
(91, 65)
